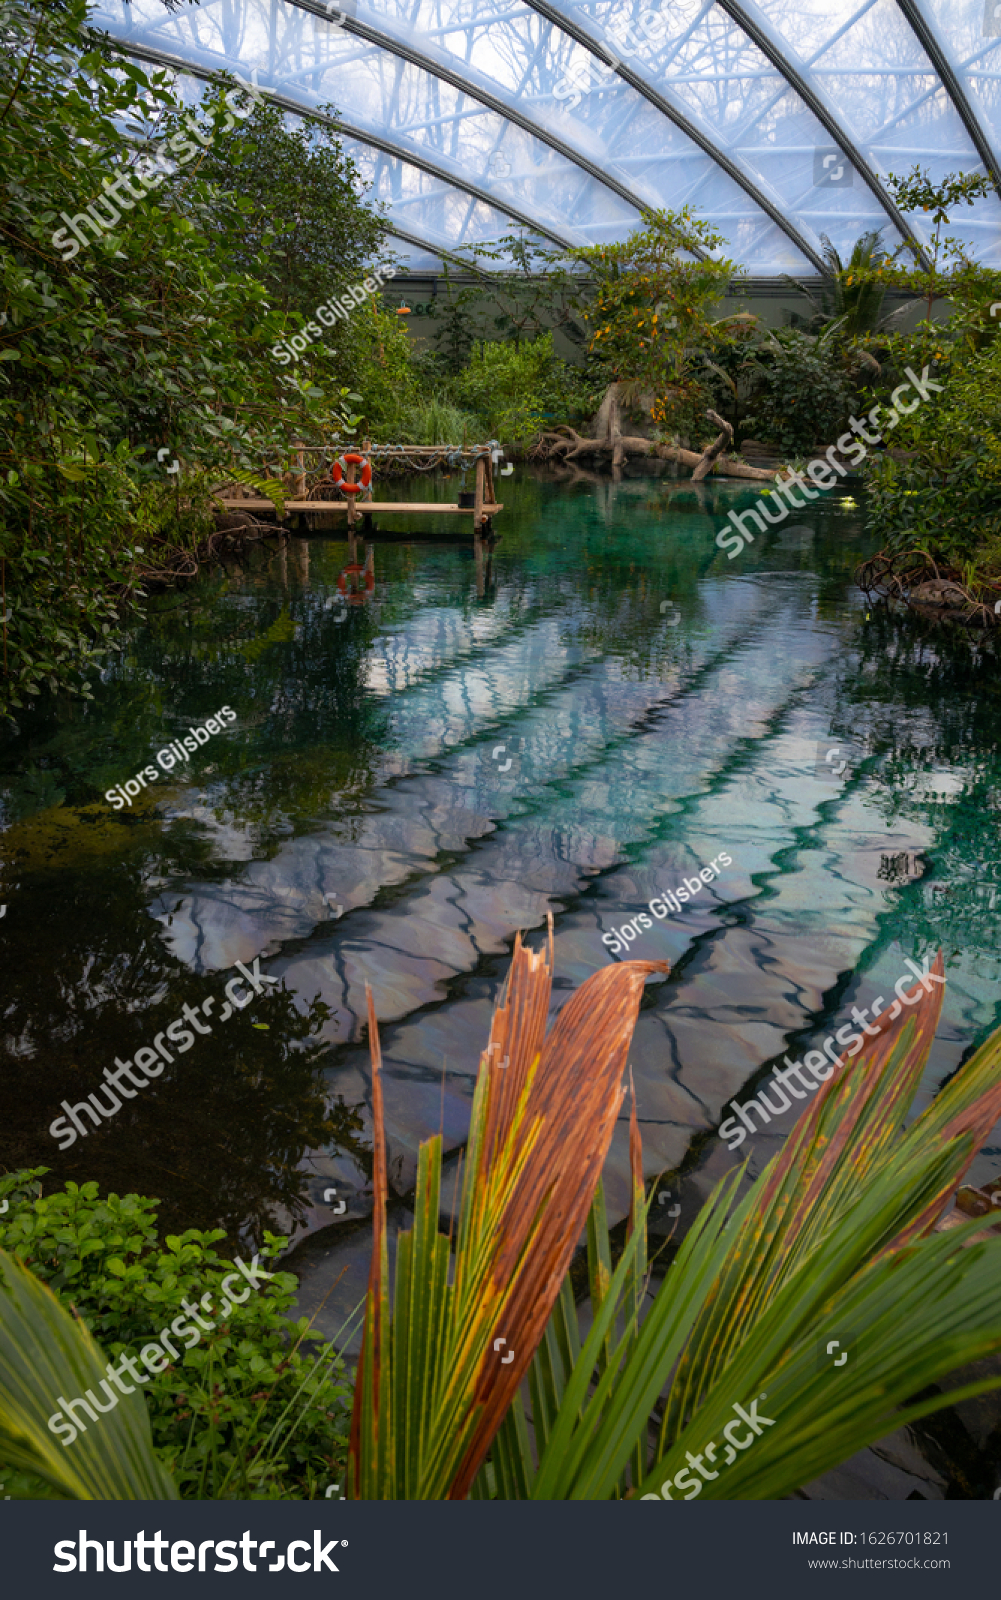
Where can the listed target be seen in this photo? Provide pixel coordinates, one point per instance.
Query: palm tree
(853, 304)
(856, 297)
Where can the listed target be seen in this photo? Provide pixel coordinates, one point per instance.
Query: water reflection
(435, 745)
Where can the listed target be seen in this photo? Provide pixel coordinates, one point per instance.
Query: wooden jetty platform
(315, 489)
(367, 508)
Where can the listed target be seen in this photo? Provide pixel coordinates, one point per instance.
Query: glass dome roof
(777, 120)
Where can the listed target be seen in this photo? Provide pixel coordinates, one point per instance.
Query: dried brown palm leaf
(433, 1388)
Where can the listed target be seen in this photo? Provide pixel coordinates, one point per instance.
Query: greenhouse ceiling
(778, 121)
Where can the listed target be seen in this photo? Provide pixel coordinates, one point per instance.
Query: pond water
(422, 768)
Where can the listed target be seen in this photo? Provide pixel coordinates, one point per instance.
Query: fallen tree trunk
(566, 444)
(556, 446)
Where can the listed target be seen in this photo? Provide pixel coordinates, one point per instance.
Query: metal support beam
(482, 95)
(161, 58)
(827, 120)
(686, 126)
(953, 88)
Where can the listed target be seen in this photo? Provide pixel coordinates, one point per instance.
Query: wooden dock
(481, 505)
(364, 508)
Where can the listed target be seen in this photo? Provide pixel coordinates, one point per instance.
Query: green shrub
(802, 396)
(246, 1413)
(944, 496)
(518, 390)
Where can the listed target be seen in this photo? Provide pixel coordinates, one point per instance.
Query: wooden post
(300, 481)
(352, 510)
(478, 503)
(491, 491)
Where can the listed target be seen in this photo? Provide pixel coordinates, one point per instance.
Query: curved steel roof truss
(412, 158)
(539, 32)
(476, 92)
(810, 98)
(953, 88)
(689, 128)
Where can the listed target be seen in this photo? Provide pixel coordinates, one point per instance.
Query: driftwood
(565, 444)
(711, 453)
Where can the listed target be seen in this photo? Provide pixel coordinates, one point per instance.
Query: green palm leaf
(46, 1357)
(832, 1242)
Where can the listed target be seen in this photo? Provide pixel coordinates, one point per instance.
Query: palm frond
(442, 1366)
(832, 1243)
(47, 1358)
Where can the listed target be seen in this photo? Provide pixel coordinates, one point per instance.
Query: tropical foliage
(935, 501)
(150, 343)
(941, 495)
(45, 1353)
(651, 314)
(834, 1240)
(443, 1360)
(855, 293)
(947, 269)
(248, 1412)
(720, 1383)
(800, 390)
(514, 390)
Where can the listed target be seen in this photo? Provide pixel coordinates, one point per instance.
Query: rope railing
(391, 458)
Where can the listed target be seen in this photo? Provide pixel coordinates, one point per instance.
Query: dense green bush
(943, 493)
(802, 393)
(248, 1412)
(518, 389)
(156, 335)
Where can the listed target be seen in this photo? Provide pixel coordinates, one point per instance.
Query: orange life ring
(340, 474)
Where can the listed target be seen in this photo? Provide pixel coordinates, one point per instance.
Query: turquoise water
(416, 773)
